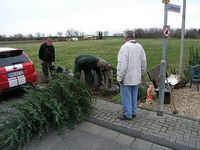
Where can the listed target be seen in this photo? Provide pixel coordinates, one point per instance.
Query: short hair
(129, 34)
(104, 64)
(49, 40)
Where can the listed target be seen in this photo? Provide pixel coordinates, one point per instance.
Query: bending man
(87, 63)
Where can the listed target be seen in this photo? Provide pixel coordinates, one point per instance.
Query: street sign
(173, 8)
(165, 1)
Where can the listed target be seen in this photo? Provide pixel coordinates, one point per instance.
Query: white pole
(163, 68)
(182, 39)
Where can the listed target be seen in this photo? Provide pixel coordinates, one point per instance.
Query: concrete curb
(3, 147)
(140, 135)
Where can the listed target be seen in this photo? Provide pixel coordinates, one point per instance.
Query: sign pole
(182, 39)
(163, 65)
(163, 68)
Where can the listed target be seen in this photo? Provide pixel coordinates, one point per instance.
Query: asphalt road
(10, 98)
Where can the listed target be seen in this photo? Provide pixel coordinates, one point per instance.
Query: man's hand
(101, 83)
(142, 78)
(121, 82)
(41, 61)
(77, 75)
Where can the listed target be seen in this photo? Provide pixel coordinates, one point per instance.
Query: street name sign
(173, 8)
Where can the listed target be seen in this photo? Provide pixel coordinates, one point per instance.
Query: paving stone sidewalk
(88, 136)
(167, 130)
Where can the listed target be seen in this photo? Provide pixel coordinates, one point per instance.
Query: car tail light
(3, 75)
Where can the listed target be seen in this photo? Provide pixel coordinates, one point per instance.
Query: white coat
(131, 63)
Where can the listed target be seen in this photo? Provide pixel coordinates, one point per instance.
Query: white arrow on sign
(173, 8)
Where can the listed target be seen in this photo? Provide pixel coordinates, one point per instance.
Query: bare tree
(72, 32)
(3, 37)
(59, 34)
(139, 33)
(192, 33)
(76, 33)
(19, 36)
(30, 36)
(81, 34)
(38, 34)
(43, 35)
(105, 33)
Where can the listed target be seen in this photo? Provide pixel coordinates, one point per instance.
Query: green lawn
(107, 49)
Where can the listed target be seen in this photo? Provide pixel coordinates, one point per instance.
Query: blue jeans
(129, 99)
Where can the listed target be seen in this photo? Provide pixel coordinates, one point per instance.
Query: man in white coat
(130, 68)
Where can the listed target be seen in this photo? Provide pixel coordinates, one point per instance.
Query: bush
(194, 57)
(142, 92)
(62, 103)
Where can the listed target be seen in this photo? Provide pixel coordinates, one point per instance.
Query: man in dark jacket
(47, 57)
(87, 63)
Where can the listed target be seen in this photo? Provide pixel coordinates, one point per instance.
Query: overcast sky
(89, 16)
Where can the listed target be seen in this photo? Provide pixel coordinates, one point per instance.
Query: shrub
(62, 103)
(194, 57)
(142, 92)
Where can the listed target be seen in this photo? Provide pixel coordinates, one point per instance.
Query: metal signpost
(166, 33)
(182, 38)
(163, 65)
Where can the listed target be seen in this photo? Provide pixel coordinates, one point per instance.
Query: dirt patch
(187, 101)
(40, 77)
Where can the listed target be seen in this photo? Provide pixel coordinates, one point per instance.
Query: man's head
(129, 34)
(103, 64)
(49, 41)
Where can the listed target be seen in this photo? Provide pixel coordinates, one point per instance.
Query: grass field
(107, 49)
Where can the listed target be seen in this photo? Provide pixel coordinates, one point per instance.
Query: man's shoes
(133, 116)
(124, 118)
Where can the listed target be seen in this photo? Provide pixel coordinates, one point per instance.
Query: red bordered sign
(166, 31)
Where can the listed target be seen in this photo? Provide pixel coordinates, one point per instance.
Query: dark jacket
(87, 63)
(47, 53)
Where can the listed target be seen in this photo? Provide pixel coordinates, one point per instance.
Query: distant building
(74, 39)
(89, 37)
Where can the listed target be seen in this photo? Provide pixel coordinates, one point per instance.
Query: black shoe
(133, 116)
(124, 118)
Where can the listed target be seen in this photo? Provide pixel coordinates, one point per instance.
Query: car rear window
(12, 57)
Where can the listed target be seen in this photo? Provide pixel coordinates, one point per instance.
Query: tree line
(158, 33)
(139, 33)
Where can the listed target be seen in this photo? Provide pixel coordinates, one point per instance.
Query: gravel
(187, 101)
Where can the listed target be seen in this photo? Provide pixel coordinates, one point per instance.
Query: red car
(16, 69)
